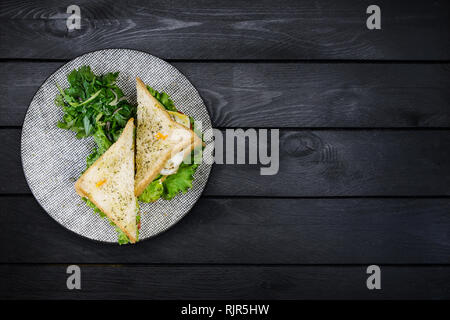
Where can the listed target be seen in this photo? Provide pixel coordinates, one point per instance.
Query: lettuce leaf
(122, 238)
(153, 192)
(180, 181)
(102, 141)
(171, 185)
(163, 98)
(94, 207)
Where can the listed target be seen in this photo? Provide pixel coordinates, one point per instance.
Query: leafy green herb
(92, 158)
(92, 102)
(94, 105)
(103, 144)
(101, 140)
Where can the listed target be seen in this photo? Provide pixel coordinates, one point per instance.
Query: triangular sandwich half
(158, 138)
(109, 183)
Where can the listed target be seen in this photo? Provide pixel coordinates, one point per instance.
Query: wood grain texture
(325, 29)
(314, 163)
(223, 282)
(249, 231)
(284, 94)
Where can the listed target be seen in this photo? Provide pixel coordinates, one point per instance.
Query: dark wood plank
(284, 94)
(223, 282)
(267, 231)
(325, 29)
(318, 163)
(10, 162)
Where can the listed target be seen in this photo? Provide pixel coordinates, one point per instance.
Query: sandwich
(165, 147)
(108, 184)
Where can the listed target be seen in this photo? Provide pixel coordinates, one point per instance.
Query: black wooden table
(364, 178)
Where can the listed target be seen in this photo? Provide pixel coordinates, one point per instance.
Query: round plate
(53, 158)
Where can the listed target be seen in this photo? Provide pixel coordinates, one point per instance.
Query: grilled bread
(158, 138)
(109, 183)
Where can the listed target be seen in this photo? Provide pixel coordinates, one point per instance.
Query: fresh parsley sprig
(92, 102)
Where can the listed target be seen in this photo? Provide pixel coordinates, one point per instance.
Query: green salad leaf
(180, 181)
(163, 98)
(101, 140)
(122, 238)
(153, 192)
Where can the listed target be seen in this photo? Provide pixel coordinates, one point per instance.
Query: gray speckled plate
(53, 158)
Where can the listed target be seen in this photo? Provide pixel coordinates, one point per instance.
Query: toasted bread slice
(158, 138)
(109, 183)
